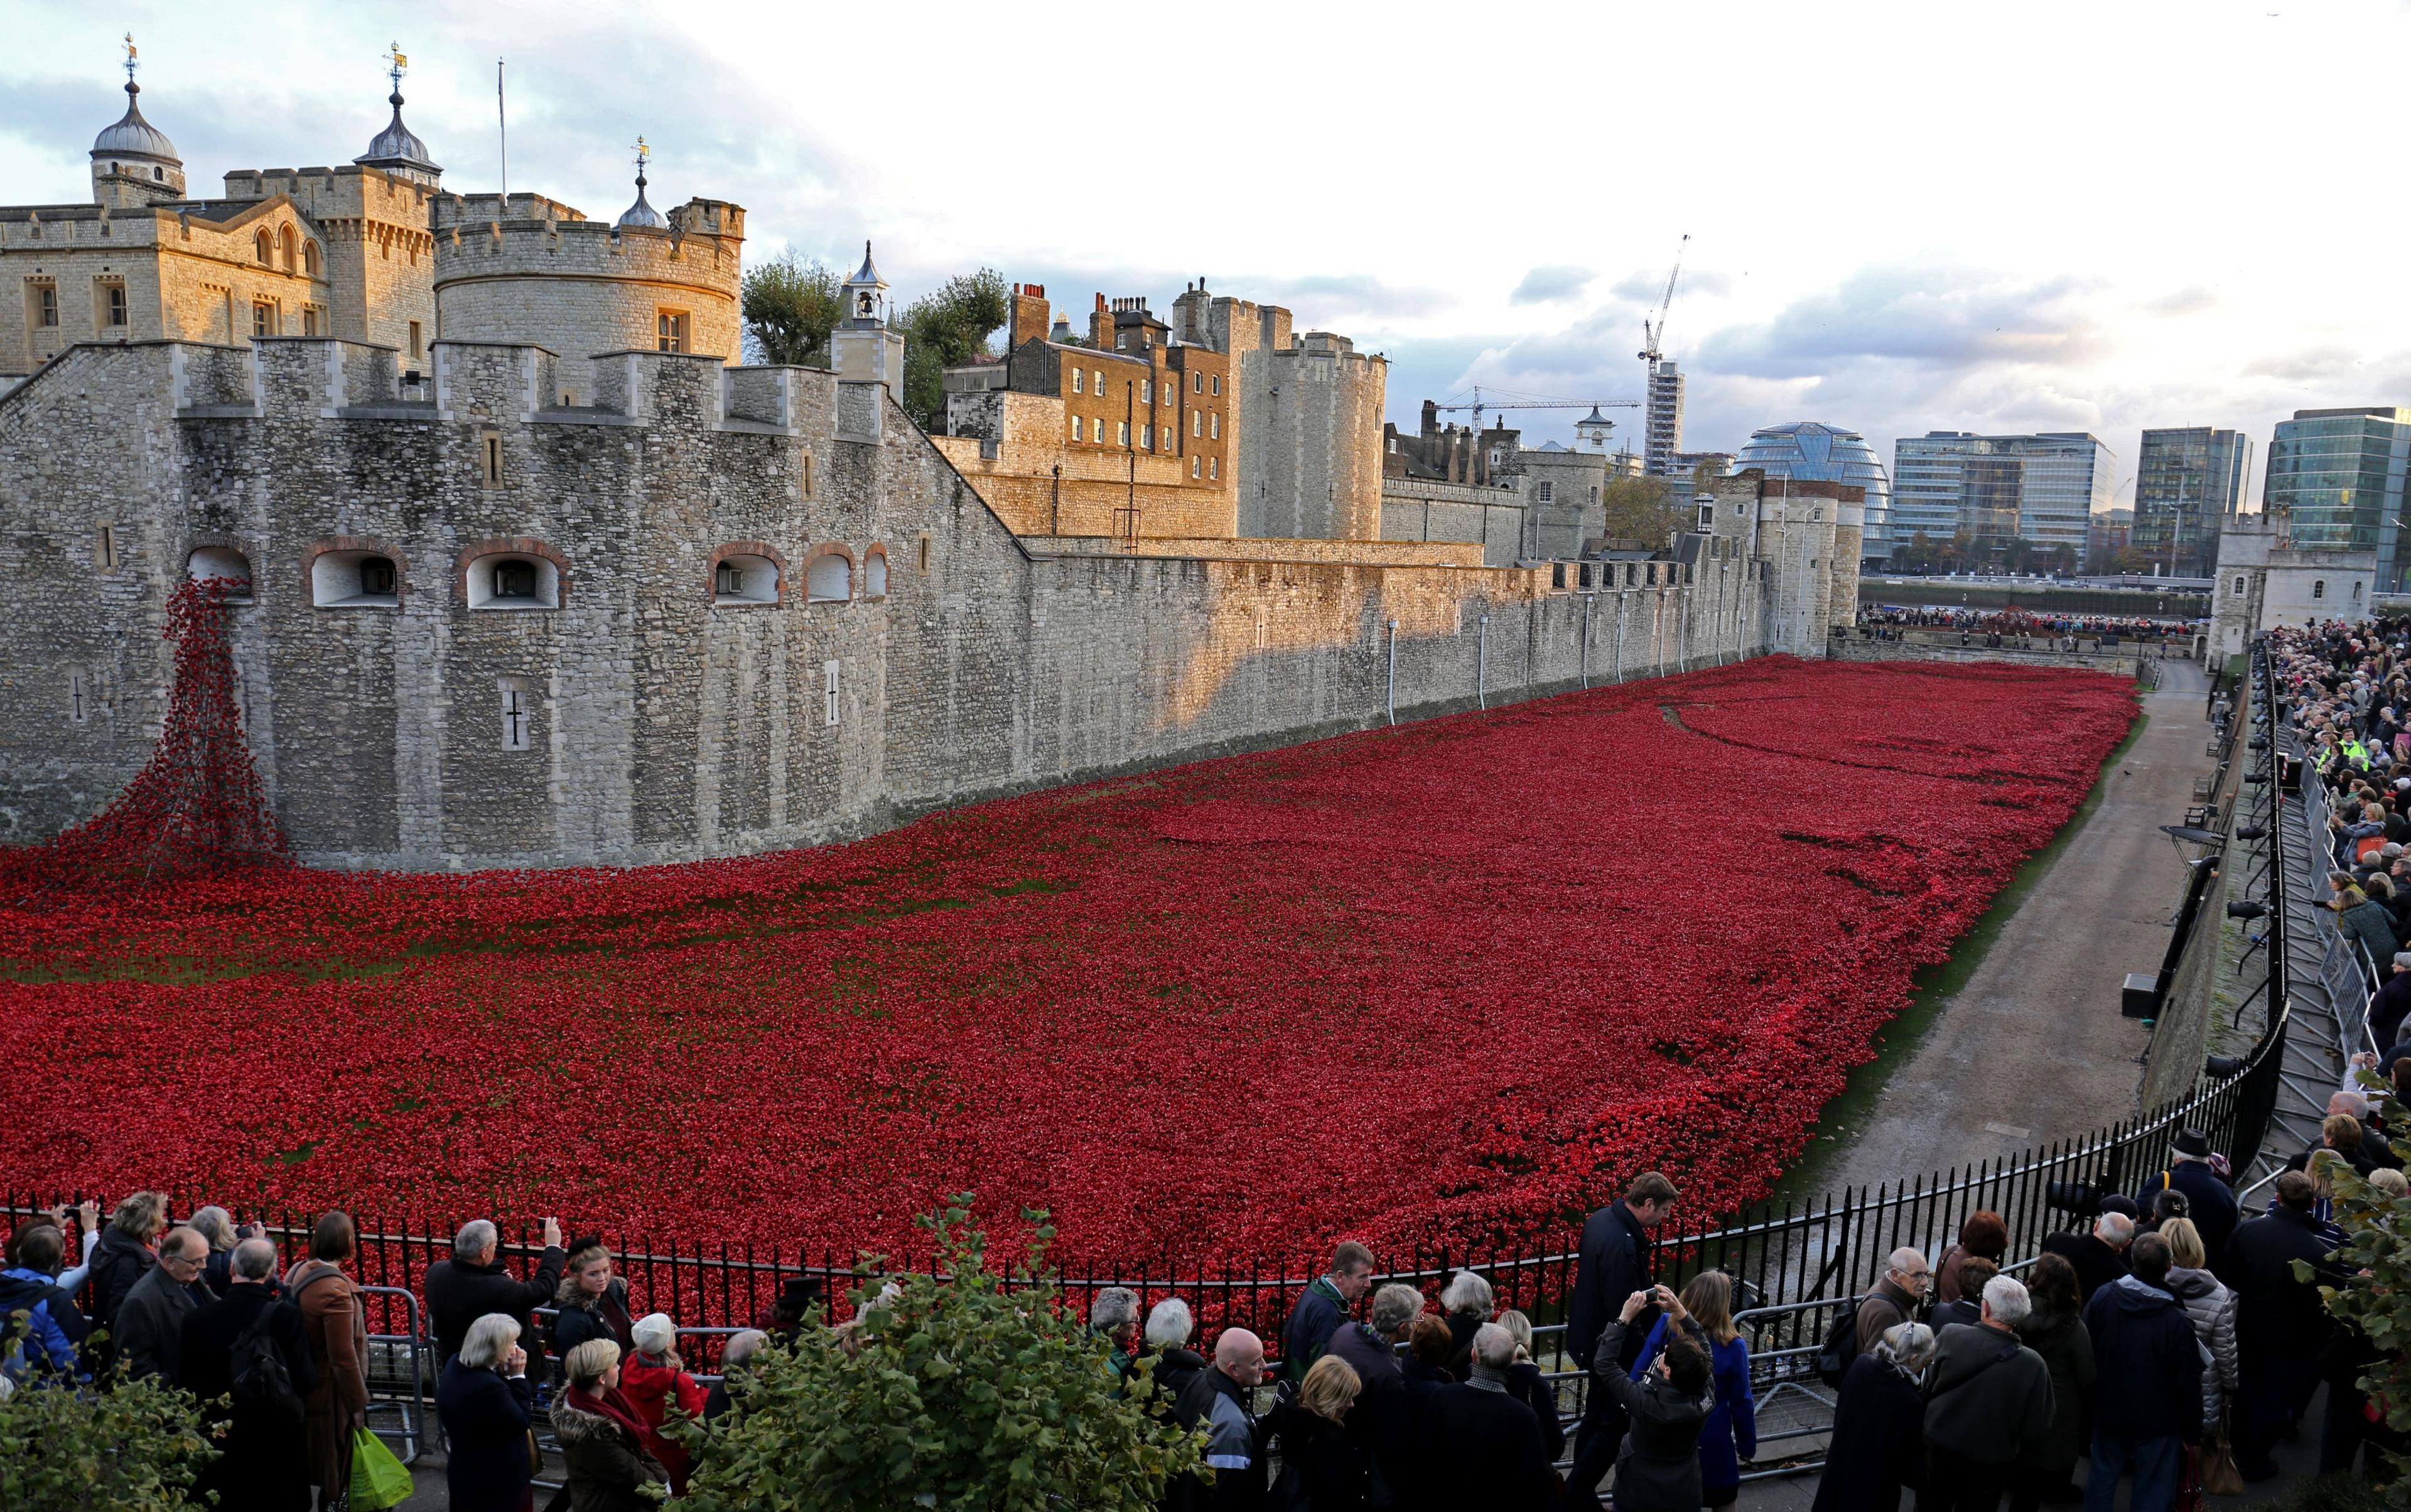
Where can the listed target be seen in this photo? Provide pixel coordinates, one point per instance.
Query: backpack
(263, 1387)
(1841, 1345)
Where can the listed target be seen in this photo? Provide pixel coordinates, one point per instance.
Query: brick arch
(204, 539)
(853, 571)
(377, 544)
(885, 566)
(760, 548)
(509, 545)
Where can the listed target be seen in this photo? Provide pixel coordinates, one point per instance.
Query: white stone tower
(133, 162)
(864, 351)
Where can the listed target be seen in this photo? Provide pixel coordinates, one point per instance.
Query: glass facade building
(1813, 451)
(2339, 476)
(2186, 482)
(1989, 491)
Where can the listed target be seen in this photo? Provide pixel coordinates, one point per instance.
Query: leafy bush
(69, 1447)
(2376, 1296)
(953, 1393)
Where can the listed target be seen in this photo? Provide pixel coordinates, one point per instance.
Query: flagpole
(503, 126)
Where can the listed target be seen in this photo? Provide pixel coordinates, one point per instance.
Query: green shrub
(69, 1447)
(958, 1393)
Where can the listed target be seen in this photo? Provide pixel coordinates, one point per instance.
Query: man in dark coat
(2147, 1391)
(2100, 1257)
(2209, 1202)
(1616, 1259)
(473, 1283)
(2392, 1004)
(151, 1320)
(1216, 1400)
(1988, 1406)
(1379, 1422)
(264, 1464)
(1322, 1306)
(1482, 1447)
(2280, 1325)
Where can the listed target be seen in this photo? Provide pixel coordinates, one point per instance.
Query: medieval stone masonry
(534, 574)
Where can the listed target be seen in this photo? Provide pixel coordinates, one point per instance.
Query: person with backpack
(250, 1347)
(54, 1332)
(339, 1342)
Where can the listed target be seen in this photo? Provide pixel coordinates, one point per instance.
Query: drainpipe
(1620, 594)
(1481, 667)
(1585, 639)
(1393, 671)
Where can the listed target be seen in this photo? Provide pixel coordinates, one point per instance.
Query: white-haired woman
(602, 1435)
(1169, 1327)
(1529, 1386)
(215, 1224)
(1466, 1304)
(1878, 1443)
(486, 1403)
(125, 1254)
(655, 1379)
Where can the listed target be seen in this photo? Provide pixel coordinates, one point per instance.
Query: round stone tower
(133, 162)
(526, 269)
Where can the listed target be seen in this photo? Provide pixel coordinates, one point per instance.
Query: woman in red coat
(655, 1379)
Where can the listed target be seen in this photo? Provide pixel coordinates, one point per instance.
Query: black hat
(801, 1292)
(584, 1244)
(2193, 1142)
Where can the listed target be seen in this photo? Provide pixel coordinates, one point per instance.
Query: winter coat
(583, 1316)
(2392, 1004)
(2367, 921)
(1988, 1396)
(1319, 1462)
(151, 1324)
(2209, 1202)
(2060, 1338)
(1233, 1447)
(485, 1418)
(1462, 1327)
(460, 1292)
(1878, 1441)
(2150, 1365)
(2096, 1264)
(1482, 1448)
(1657, 1468)
(1615, 1260)
(654, 1385)
(1527, 1384)
(1886, 1305)
(604, 1461)
(1730, 1435)
(116, 1266)
(55, 1330)
(1380, 1422)
(339, 1342)
(1311, 1322)
(2277, 1317)
(262, 1466)
(2211, 1309)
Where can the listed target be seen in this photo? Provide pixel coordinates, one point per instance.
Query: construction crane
(1515, 400)
(1653, 332)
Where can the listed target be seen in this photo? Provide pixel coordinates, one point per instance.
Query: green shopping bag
(378, 1479)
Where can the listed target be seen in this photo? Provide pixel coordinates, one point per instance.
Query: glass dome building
(1811, 450)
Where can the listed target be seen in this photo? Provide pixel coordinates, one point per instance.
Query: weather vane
(397, 63)
(130, 57)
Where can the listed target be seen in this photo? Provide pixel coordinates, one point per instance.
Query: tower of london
(528, 567)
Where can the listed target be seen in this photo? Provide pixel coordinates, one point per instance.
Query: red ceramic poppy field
(1460, 979)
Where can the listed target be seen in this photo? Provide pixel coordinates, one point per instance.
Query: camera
(2077, 1197)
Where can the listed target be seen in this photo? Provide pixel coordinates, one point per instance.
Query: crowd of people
(2021, 623)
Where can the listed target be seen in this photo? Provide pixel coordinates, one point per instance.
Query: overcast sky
(2042, 216)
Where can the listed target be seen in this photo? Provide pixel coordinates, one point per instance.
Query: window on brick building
(263, 318)
(1121, 433)
(1079, 377)
(1548, 493)
(1218, 382)
(46, 305)
(2319, 588)
(110, 300)
(1146, 391)
(313, 322)
(1214, 425)
(1196, 466)
(1098, 377)
(1147, 438)
(1197, 383)
(670, 331)
(1077, 426)
(1213, 467)
(1197, 423)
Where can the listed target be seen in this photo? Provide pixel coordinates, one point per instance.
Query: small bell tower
(866, 352)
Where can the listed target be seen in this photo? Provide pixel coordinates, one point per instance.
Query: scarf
(1488, 1378)
(609, 1404)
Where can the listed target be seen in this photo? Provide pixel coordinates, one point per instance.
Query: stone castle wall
(663, 723)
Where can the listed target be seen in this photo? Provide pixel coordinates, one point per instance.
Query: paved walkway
(2033, 1045)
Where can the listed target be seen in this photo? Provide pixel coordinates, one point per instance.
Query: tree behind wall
(946, 327)
(790, 307)
(1643, 509)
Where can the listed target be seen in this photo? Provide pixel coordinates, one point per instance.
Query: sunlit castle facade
(1814, 451)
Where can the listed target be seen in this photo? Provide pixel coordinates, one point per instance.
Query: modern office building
(1662, 435)
(2186, 480)
(1828, 454)
(1994, 491)
(2338, 475)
